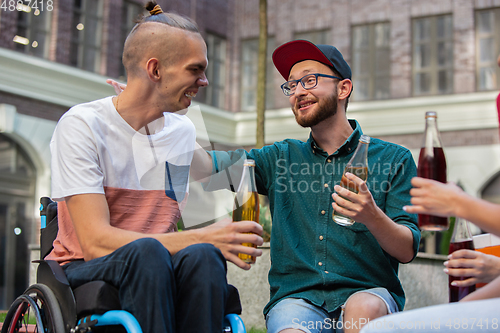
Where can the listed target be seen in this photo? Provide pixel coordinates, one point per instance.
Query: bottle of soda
(357, 165)
(432, 165)
(461, 239)
(246, 203)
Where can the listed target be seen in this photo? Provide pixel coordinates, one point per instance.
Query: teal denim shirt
(312, 257)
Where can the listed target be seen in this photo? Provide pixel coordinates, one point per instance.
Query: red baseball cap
(288, 54)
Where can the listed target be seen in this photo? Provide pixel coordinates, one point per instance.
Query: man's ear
(153, 69)
(344, 89)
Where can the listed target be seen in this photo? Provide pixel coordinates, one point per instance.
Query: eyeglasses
(308, 81)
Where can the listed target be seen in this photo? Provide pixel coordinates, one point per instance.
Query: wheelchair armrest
(51, 274)
(50, 269)
(233, 304)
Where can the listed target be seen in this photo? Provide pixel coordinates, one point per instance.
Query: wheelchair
(52, 306)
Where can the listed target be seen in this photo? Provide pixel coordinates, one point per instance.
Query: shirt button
(320, 237)
(326, 185)
(326, 272)
(329, 160)
(320, 263)
(323, 212)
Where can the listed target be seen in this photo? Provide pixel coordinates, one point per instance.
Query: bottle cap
(431, 114)
(364, 138)
(249, 163)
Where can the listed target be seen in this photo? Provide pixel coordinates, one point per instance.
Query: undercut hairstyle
(134, 48)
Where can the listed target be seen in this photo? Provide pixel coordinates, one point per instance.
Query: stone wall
(423, 280)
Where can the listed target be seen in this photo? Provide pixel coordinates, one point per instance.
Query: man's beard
(326, 108)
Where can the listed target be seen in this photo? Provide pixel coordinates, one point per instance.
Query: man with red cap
(326, 277)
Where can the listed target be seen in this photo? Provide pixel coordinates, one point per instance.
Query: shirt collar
(349, 145)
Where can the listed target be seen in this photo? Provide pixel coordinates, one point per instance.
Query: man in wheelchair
(120, 168)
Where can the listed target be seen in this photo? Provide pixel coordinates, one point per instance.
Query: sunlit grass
(31, 320)
(255, 330)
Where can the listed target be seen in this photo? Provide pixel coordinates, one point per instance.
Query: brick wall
(8, 28)
(64, 19)
(33, 107)
(238, 20)
(290, 16)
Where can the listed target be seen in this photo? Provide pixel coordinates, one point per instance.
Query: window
(316, 37)
(13, 161)
(371, 63)
(433, 55)
(249, 60)
(85, 52)
(33, 30)
(487, 49)
(216, 70)
(17, 190)
(130, 13)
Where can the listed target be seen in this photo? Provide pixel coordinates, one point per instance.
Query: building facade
(407, 57)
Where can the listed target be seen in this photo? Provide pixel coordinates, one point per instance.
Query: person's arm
(201, 165)
(435, 198)
(476, 266)
(90, 216)
(395, 239)
(491, 290)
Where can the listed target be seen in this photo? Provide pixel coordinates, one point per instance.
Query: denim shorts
(296, 313)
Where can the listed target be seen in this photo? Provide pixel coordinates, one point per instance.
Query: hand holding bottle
(360, 206)
(357, 165)
(478, 267)
(228, 237)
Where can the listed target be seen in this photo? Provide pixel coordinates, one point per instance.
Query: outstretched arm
(435, 198)
(201, 166)
(89, 212)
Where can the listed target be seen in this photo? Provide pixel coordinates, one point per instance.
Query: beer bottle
(358, 166)
(246, 203)
(432, 165)
(461, 239)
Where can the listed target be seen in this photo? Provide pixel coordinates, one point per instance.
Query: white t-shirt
(144, 177)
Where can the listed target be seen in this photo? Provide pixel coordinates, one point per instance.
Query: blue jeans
(295, 313)
(185, 292)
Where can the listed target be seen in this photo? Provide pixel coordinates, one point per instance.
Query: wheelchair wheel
(37, 307)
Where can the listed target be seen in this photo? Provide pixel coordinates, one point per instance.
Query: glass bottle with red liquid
(432, 165)
(461, 239)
